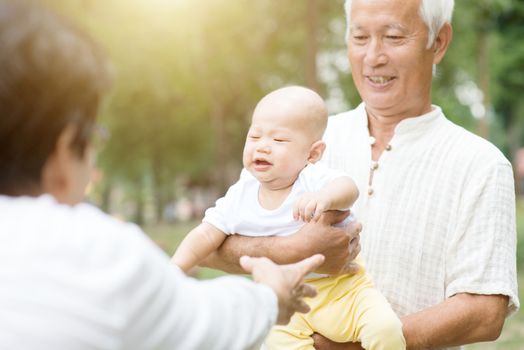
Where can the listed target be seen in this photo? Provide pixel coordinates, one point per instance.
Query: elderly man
(71, 277)
(439, 211)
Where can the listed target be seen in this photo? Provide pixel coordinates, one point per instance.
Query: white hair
(434, 13)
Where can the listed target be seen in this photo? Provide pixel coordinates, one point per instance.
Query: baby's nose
(263, 147)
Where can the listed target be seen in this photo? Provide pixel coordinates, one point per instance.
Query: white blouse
(75, 278)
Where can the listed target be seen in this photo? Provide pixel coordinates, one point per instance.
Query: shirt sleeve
(171, 311)
(315, 176)
(481, 254)
(222, 215)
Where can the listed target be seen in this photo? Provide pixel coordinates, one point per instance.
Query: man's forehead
(385, 15)
(400, 9)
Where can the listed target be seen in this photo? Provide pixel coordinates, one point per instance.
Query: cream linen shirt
(441, 216)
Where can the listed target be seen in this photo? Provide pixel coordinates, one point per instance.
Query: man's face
(391, 66)
(277, 147)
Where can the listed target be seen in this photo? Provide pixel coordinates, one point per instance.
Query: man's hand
(340, 245)
(310, 206)
(286, 282)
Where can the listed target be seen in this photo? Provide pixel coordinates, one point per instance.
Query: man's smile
(380, 80)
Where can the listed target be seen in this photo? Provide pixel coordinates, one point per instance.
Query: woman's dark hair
(51, 76)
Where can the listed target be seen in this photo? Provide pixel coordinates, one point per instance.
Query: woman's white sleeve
(172, 311)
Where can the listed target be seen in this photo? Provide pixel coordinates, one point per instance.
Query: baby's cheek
(246, 156)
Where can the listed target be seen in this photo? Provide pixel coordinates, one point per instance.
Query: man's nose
(375, 54)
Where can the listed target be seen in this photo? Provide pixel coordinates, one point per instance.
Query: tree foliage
(187, 75)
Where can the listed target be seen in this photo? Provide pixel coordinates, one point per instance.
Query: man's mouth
(379, 79)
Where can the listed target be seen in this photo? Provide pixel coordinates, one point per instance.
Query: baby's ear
(316, 151)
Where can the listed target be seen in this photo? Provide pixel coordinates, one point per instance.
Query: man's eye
(359, 39)
(394, 37)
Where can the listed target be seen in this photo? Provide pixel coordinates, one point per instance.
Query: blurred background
(188, 73)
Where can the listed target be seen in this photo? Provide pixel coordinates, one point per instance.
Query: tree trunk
(105, 204)
(514, 145)
(161, 186)
(311, 19)
(484, 72)
(221, 147)
(139, 217)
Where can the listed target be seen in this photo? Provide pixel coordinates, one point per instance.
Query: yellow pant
(346, 309)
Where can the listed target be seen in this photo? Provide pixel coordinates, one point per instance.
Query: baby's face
(277, 147)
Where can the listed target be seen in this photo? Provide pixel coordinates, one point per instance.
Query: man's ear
(442, 41)
(316, 151)
(57, 171)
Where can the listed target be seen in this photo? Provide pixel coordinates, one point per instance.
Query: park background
(188, 73)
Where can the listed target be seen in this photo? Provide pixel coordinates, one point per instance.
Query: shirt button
(370, 191)
(388, 148)
(374, 165)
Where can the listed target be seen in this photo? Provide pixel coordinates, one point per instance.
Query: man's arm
(339, 245)
(461, 319)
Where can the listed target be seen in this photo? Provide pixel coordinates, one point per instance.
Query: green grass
(512, 337)
(168, 237)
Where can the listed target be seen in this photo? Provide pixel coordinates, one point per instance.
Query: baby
(281, 187)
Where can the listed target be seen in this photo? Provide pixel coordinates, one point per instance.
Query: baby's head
(285, 135)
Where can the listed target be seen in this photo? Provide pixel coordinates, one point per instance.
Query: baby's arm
(198, 244)
(339, 194)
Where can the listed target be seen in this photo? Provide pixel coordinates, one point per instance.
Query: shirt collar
(413, 126)
(419, 124)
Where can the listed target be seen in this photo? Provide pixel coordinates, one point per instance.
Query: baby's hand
(310, 206)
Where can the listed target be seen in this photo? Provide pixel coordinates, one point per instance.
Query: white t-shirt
(441, 216)
(75, 278)
(240, 212)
